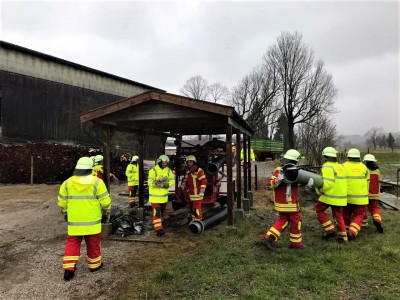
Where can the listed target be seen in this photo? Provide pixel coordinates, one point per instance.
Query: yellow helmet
(329, 151)
(292, 154)
(135, 158)
(369, 157)
(163, 158)
(191, 157)
(353, 153)
(84, 163)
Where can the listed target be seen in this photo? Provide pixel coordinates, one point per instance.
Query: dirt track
(32, 239)
(32, 234)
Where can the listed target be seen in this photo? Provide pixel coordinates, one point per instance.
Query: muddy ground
(32, 239)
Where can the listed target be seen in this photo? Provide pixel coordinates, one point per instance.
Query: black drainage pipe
(198, 226)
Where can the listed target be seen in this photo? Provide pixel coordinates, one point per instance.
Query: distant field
(388, 161)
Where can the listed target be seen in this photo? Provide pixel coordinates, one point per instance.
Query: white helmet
(98, 158)
(369, 157)
(353, 153)
(134, 158)
(329, 151)
(84, 163)
(292, 154)
(191, 157)
(163, 158)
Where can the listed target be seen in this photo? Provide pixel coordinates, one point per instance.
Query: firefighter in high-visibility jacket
(357, 192)
(252, 155)
(333, 194)
(159, 180)
(132, 174)
(83, 199)
(374, 189)
(195, 182)
(98, 169)
(286, 204)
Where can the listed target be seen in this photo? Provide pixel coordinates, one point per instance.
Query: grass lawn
(226, 263)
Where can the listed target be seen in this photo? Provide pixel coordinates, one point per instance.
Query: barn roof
(160, 112)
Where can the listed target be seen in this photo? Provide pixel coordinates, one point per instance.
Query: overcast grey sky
(162, 44)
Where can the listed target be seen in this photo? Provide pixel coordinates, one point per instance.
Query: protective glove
(165, 185)
(157, 183)
(279, 178)
(201, 194)
(309, 185)
(65, 217)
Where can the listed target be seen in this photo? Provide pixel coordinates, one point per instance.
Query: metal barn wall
(41, 110)
(16, 59)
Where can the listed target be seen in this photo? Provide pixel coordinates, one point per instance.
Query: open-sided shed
(160, 113)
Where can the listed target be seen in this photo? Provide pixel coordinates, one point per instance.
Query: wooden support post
(107, 134)
(229, 173)
(141, 171)
(238, 170)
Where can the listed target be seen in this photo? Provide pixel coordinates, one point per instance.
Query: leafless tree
(373, 136)
(217, 92)
(314, 137)
(254, 98)
(195, 87)
(306, 89)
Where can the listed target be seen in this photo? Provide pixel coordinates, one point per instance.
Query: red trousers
(295, 227)
(353, 216)
(197, 213)
(327, 225)
(373, 208)
(132, 193)
(73, 251)
(158, 212)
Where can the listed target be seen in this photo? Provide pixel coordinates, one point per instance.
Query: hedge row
(52, 163)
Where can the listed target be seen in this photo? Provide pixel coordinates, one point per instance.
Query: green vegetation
(228, 264)
(388, 161)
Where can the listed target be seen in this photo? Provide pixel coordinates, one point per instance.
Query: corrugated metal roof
(14, 47)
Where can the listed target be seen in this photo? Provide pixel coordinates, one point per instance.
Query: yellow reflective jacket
(357, 183)
(334, 189)
(82, 198)
(132, 174)
(252, 156)
(159, 194)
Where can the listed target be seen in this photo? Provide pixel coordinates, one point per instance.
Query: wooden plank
(390, 200)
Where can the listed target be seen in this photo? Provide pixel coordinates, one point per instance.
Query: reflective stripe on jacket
(285, 195)
(357, 183)
(195, 181)
(82, 198)
(334, 188)
(156, 194)
(132, 174)
(374, 184)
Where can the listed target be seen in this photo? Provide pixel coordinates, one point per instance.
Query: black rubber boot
(327, 236)
(160, 232)
(68, 275)
(98, 268)
(269, 243)
(350, 236)
(378, 226)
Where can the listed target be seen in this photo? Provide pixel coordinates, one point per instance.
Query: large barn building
(42, 96)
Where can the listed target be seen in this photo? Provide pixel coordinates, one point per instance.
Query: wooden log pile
(52, 163)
